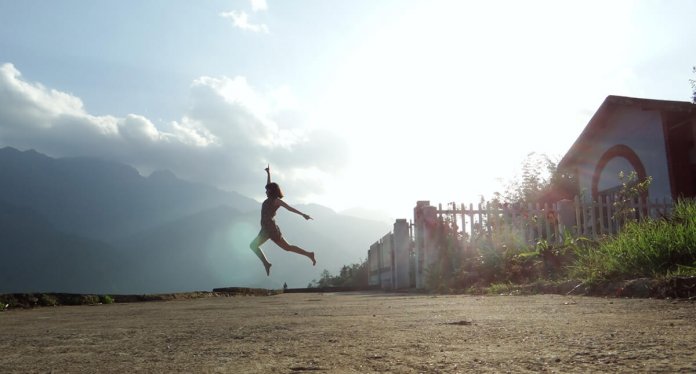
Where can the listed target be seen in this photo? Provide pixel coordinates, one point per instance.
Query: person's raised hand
(268, 169)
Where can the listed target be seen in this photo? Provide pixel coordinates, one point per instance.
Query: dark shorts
(270, 231)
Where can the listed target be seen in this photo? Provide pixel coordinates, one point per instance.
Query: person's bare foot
(268, 268)
(311, 257)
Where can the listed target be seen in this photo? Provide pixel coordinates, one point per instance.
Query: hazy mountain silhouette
(34, 257)
(368, 214)
(211, 248)
(89, 225)
(102, 199)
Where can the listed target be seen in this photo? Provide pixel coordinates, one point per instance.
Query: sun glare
(443, 99)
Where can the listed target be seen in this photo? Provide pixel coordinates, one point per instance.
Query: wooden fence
(412, 247)
(551, 221)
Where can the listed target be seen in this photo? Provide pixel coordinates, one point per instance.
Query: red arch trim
(619, 150)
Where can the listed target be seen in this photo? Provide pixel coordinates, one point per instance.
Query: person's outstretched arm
(268, 173)
(288, 207)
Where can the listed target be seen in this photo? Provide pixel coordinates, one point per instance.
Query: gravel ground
(355, 332)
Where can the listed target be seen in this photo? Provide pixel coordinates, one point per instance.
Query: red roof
(597, 122)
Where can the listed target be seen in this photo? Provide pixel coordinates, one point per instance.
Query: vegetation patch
(653, 257)
(31, 300)
(651, 248)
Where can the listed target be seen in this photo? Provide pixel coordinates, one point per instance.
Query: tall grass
(653, 247)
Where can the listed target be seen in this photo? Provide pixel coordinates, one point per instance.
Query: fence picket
(578, 227)
(601, 215)
(611, 212)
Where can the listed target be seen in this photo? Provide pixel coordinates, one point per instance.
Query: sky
(373, 104)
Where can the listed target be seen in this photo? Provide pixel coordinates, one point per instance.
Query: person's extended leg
(282, 243)
(255, 246)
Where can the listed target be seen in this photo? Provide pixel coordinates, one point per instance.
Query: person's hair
(273, 190)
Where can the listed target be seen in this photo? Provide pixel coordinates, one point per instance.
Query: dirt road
(355, 332)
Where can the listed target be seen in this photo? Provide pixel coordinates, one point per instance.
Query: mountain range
(95, 226)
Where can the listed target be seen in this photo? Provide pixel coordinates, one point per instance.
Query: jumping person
(269, 229)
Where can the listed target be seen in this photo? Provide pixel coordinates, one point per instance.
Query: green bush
(649, 248)
(354, 275)
(47, 300)
(106, 299)
(498, 256)
(501, 288)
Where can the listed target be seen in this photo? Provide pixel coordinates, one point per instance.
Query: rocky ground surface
(354, 332)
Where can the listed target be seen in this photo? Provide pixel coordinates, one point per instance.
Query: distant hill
(369, 214)
(102, 199)
(89, 225)
(211, 248)
(35, 257)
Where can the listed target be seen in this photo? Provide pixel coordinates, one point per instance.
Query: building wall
(641, 131)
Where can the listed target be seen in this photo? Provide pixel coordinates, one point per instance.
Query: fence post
(387, 254)
(373, 264)
(480, 218)
(547, 224)
(401, 249)
(567, 216)
(463, 225)
(471, 218)
(601, 214)
(593, 218)
(539, 217)
(578, 217)
(612, 223)
(425, 217)
(642, 202)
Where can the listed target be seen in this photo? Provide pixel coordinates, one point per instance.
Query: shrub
(501, 288)
(498, 256)
(649, 248)
(47, 300)
(354, 275)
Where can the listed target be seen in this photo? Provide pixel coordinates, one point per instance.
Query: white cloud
(259, 5)
(46, 103)
(225, 139)
(240, 20)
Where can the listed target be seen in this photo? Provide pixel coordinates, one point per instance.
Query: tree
(354, 275)
(632, 189)
(542, 181)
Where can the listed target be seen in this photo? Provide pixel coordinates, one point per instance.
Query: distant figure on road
(269, 229)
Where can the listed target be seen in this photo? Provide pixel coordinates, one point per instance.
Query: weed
(501, 288)
(648, 248)
(47, 300)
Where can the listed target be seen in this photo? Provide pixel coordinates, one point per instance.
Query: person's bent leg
(282, 243)
(255, 246)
